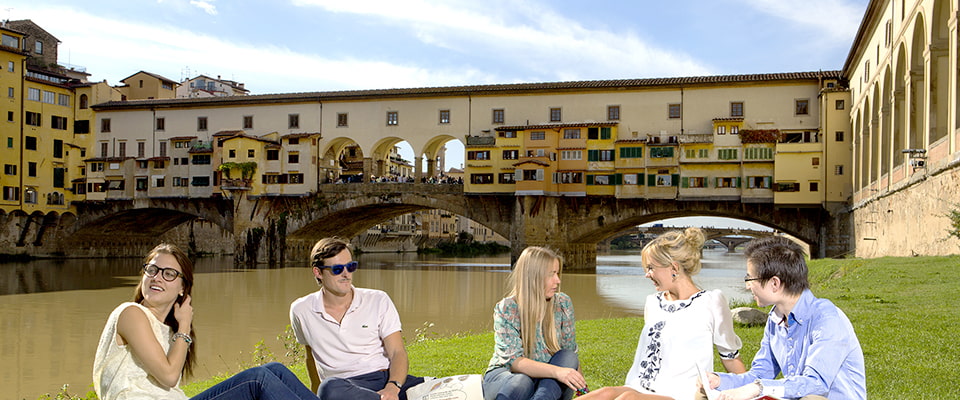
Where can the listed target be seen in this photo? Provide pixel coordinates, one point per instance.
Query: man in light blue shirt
(809, 340)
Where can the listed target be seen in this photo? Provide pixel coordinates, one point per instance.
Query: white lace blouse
(678, 336)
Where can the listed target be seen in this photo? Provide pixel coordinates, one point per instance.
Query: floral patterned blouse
(508, 345)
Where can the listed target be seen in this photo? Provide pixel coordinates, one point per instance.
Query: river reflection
(52, 312)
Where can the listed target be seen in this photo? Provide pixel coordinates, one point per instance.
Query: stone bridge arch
(127, 228)
(285, 228)
(578, 224)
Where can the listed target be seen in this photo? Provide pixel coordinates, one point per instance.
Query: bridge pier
(535, 224)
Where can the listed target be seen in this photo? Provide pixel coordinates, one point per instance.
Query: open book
(712, 394)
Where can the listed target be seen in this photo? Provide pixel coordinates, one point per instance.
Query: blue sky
(282, 46)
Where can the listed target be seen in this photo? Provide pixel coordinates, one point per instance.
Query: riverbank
(903, 310)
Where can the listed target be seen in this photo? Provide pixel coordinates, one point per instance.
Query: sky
(284, 46)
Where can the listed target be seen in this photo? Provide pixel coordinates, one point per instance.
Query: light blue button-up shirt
(816, 349)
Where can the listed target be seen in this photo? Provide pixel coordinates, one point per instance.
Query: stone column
(431, 167)
(417, 168)
(367, 168)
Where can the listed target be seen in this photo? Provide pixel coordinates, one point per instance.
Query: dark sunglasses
(338, 269)
(168, 274)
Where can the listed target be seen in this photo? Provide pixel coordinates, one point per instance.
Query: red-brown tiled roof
(539, 162)
(569, 86)
(556, 126)
(300, 135)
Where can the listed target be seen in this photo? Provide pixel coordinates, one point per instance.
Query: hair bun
(693, 236)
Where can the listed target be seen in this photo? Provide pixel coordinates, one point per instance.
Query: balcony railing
(697, 138)
(235, 184)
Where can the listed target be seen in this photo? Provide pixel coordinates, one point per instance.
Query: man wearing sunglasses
(352, 335)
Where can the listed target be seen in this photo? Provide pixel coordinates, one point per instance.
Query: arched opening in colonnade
(939, 70)
(917, 77)
(442, 158)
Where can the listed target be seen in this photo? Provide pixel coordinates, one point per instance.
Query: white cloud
(838, 19)
(168, 50)
(543, 41)
(205, 5)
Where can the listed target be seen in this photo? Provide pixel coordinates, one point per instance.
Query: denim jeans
(501, 384)
(271, 381)
(362, 387)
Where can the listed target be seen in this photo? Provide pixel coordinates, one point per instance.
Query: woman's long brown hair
(187, 266)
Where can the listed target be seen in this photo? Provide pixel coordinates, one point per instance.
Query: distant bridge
(730, 238)
(278, 229)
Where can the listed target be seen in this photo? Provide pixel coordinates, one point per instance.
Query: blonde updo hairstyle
(681, 247)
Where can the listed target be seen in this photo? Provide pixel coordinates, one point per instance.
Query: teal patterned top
(508, 345)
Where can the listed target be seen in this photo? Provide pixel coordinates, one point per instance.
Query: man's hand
(389, 392)
(745, 392)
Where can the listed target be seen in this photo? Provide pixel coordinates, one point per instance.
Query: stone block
(749, 316)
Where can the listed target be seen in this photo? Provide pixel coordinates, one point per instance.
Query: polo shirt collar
(317, 304)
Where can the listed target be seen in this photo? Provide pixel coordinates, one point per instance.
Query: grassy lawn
(901, 308)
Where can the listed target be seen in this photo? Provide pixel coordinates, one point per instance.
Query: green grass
(902, 309)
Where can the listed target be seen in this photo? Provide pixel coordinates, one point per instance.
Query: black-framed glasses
(338, 269)
(748, 278)
(168, 274)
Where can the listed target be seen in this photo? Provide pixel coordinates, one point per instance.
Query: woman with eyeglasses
(683, 324)
(148, 345)
(535, 344)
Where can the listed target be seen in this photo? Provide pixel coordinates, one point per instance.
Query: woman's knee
(566, 359)
(276, 368)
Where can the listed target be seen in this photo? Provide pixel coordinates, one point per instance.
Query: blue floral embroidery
(650, 367)
(674, 307)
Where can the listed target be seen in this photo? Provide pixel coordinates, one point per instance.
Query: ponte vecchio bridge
(282, 229)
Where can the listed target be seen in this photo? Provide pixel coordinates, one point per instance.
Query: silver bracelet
(760, 385)
(186, 338)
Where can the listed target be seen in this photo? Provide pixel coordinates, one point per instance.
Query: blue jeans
(501, 384)
(271, 381)
(362, 387)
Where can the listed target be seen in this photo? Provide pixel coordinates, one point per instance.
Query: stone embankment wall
(910, 220)
(195, 236)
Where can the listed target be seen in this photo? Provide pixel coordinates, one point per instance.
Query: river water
(52, 312)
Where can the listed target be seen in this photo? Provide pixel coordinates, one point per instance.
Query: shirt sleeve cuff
(773, 388)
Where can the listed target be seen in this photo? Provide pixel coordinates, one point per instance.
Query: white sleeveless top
(118, 374)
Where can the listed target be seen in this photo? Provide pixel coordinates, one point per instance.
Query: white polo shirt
(355, 345)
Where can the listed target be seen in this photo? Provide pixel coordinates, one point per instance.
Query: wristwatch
(399, 386)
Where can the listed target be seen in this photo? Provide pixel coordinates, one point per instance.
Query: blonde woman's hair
(527, 288)
(683, 248)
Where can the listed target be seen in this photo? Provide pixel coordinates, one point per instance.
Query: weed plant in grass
(903, 310)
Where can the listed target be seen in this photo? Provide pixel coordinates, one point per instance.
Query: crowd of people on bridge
(355, 351)
(433, 180)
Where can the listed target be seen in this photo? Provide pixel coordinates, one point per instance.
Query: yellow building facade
(12, 60)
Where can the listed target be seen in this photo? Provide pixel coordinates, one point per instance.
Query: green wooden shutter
(675, 180)
(736, 182)
(651, 180)
(685, 182)
(590, 179)
(618, 179)
(605, 133)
